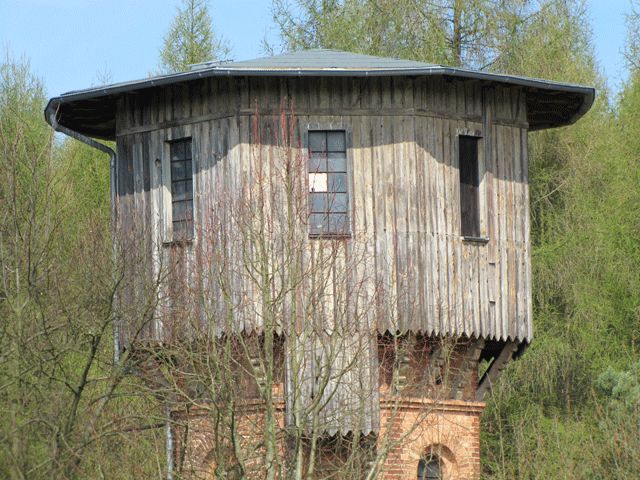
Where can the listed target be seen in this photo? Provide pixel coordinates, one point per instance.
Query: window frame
(483, 236)
(331, 127)
(168, 236)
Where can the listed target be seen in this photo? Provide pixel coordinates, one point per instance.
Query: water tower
(327, 253)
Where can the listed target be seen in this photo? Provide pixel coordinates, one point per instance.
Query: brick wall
(428, 409)
(412, 427)
(409, 429)
(207, 442)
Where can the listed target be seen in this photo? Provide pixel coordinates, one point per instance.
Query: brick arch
(447, 458)
(209, 465)
(192, 432)
(450, 426)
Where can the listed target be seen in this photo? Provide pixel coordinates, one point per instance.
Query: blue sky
(74, 44)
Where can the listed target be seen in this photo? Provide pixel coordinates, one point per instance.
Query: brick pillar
(449, 429)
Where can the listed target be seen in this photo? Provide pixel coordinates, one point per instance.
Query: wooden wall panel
(414, 271)
(405, 267)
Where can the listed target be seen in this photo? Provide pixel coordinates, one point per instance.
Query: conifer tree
(191, 38)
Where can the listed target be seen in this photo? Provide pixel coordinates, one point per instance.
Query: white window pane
(318, 182)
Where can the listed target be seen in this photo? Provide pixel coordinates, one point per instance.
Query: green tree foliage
(64, 404)
(547, 417)
(191, 39)
(632, 47)
(618, 414)
(451, 32)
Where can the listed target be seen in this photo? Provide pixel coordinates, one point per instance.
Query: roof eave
(588, 93)
(327, 72)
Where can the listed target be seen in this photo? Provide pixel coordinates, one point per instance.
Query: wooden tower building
(325, 257)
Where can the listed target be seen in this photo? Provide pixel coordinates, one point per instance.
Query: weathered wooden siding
(408, 268)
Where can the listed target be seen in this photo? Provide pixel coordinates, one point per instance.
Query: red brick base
(409, 429)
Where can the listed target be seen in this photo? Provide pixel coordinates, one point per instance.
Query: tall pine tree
(191, 39)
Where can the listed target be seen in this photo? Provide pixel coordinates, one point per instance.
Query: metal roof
(318, 59)
(92, 111)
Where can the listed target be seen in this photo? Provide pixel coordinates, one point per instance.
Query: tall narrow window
(469, 186)
(328, 184)
(181, 189)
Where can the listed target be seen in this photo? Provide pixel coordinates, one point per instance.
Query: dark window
(181, 189)
(429, 469)
(328, 184)
(469, 186)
